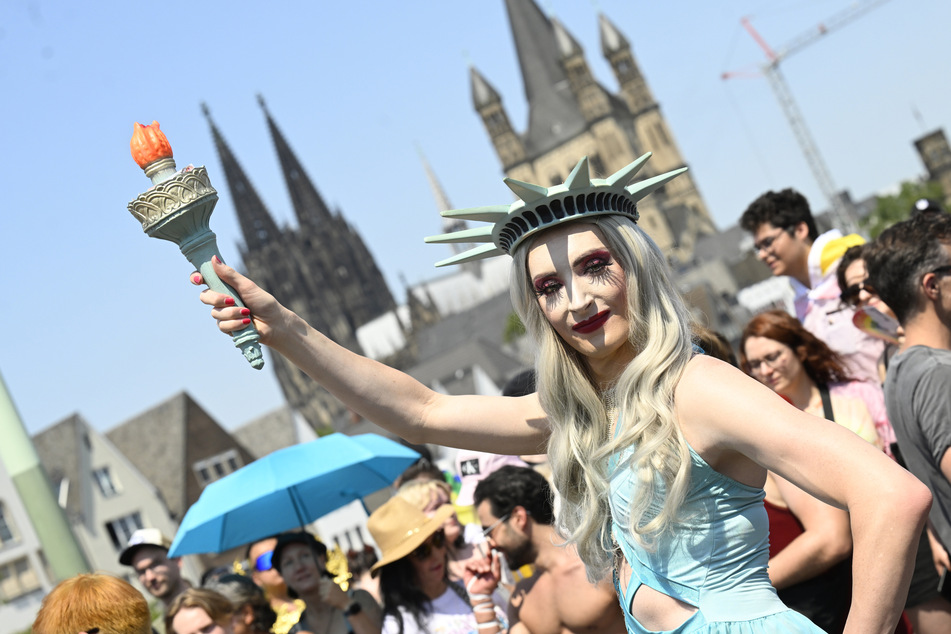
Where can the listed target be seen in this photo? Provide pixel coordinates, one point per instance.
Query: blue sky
(100, 320)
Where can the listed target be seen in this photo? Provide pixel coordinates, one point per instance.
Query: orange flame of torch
(149, 144)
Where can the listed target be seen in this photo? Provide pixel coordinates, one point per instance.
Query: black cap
(923, 205)
(299, 537)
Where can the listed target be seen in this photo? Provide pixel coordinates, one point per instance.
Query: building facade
(935, 153)
(106, 498)
(572, 115)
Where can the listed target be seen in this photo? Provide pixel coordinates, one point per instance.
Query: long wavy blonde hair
(580, 445)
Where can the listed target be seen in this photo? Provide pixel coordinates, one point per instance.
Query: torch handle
(199, 251)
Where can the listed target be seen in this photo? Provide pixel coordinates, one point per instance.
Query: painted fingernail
(196, 278)
(217, 259)
(245, 311)
(245, 321)
(229, 301)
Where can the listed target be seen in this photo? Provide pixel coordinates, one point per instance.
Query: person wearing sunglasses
(93, 604)
(261, 566)
(301, 559)
(515, 507)
(859, 294)
(418, 596)
(787, 240)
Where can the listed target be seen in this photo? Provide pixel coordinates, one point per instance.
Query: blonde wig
(581, 443)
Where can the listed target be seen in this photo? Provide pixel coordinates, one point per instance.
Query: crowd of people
(801, 485)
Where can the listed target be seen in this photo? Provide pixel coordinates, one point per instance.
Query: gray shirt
(918, 400)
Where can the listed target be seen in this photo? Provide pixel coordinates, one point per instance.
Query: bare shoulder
(715, 400)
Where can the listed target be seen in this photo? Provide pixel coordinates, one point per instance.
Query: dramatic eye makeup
(547, 285)
(595, 264)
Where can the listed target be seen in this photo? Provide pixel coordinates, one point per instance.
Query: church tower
(322, 270)
(572, 115)
(651, 127)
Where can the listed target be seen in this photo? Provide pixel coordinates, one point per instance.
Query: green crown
(539, 208)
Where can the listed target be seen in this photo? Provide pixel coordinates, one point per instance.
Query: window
(17, 578)
(121, 529)
(6, 528)
(217, 467)
(103, 479)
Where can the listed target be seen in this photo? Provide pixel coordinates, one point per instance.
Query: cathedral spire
(256, 222)
(449, 225)
(554, 115)
(617, 50)
(488, 104)
(309, 207)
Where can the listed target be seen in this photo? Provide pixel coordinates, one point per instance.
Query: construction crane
(841, 208)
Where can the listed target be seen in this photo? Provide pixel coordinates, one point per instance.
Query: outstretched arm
(386, 396)
(733, 422)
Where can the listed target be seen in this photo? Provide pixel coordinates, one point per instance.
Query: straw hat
(399, 528)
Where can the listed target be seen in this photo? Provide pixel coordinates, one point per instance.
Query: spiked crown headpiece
(539, 208)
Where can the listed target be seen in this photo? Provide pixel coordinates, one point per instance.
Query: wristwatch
(352, 609)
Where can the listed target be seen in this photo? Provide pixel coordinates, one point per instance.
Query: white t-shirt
(450, 615)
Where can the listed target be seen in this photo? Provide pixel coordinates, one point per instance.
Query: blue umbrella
(289, 488)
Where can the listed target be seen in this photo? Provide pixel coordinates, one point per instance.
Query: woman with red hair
(810, 541)
(87, 603)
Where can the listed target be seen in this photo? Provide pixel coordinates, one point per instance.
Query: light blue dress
(715, 559)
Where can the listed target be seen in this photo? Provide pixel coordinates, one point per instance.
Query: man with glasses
(147, 553)
(910, 267)
(259, 555)
(785, 238)
(514, 505)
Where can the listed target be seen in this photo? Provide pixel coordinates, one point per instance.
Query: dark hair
(851, 255)
(784, 209)
(714, 344)
(521, 384)
(215, 572)
(422, 469)
(241, 591)
(399, 588)
(360, 561)
(822, 364)
(513, 486)
(902, 255)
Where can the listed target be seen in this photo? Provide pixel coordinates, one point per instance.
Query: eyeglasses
(942, 270)
(767, 243)
(263, 563)
(771, 360)
(424, 550)
(850, 295)
(487, 533)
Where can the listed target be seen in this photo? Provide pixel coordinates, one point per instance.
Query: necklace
(609, 398)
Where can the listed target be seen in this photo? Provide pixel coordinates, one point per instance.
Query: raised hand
(267, 314)
(482, 574)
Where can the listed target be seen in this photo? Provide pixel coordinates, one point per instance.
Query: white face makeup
(582, 292)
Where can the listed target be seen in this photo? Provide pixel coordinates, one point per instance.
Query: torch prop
(178, 208)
